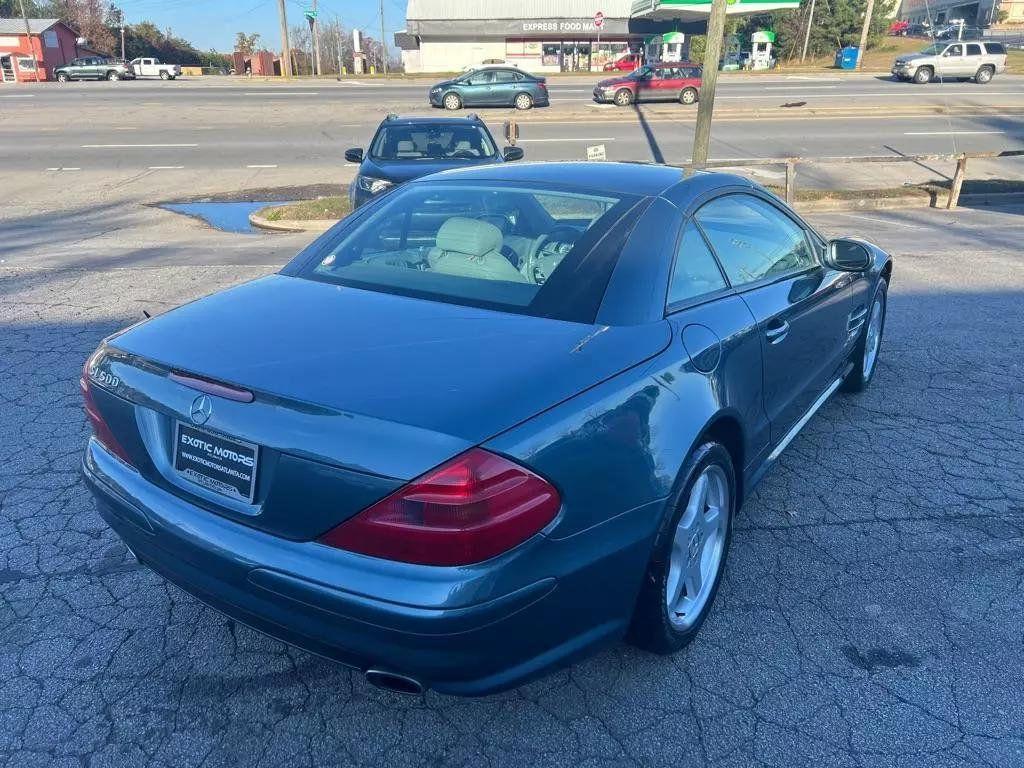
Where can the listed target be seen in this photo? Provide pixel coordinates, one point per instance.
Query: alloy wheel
(872, 339)
(697, 548)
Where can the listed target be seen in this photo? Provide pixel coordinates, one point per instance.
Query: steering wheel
(554, 235)
(465, 154)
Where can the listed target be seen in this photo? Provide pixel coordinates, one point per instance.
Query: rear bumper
(439, 626)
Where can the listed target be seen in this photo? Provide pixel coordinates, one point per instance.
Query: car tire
(113, 76)
(523, 101)
(984, 75)
(62, 77)
(658, 625)
(623, 97)
(923, 75)
(164, 76)
(865, 354)
(688, 96)
(451, 101)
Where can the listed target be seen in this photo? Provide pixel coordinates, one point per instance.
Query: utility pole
(383, 42)
(709, 80)
(864, 33)
(337, 30)
(286, 49)
(28, 36)
(316, 41)
(122, 41)
(807, 34)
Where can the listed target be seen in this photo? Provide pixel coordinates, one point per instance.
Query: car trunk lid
(353, 392)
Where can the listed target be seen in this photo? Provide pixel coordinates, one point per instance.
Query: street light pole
(709, 80)
(864, 33)
(286, 49)
(28, 39)
(383, 42)
(316, 41)
(807, 34)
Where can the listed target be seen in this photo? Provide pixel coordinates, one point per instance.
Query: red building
(51, 44)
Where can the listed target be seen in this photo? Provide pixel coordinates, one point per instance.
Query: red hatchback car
(667, 81)
(625, 63)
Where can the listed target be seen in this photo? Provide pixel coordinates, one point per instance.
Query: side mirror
(354, 155)
(848, 255)
(512, 153)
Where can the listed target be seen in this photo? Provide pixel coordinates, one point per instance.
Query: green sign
(311, 15)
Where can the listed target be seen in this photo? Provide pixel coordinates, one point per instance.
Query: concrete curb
(933, 200)
(291, 225)
(607, 114)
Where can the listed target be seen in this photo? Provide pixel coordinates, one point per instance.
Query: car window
(437, 141)
(995, 48)
(973, 49)
(696, 272)
(483, 77)
(504, 76)
(493, 245)
(934, 50)
(753, 239)
(954, 50)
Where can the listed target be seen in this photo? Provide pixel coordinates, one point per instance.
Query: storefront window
(27, 65)
(552, 54)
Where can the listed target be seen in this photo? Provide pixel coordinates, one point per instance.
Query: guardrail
(791, 163)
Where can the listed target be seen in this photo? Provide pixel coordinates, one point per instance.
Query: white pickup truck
(145, 67)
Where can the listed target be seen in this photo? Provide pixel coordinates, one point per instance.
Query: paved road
(176, 132)
(871, 614)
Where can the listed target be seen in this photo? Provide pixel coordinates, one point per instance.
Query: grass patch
(334, 207)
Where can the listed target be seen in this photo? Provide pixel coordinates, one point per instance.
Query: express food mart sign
(476, 28)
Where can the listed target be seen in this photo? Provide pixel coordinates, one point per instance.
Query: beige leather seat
(406, 149)
(471, 248)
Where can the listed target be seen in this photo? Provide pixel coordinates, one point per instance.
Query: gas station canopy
(698, 10)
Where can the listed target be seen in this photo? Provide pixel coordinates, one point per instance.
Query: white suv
(972, 59)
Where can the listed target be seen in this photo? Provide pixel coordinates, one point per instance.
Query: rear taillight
(469, 509)
(99, 427)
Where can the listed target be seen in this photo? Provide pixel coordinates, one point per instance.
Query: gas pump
(761, 50)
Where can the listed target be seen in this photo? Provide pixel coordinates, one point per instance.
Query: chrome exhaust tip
(391, 681)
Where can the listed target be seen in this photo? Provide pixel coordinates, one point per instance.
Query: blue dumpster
(846, 58)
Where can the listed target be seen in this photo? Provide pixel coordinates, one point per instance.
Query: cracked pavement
(872, 613)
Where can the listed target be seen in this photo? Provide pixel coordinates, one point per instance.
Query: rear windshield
(537, 251)
(995, 48)
(432, 142)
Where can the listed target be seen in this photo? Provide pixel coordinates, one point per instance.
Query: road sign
(596, 153)
(311, 15)
(599, 19)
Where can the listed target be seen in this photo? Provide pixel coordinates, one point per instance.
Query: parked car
(668, 81)
(968, 59)
(496, 419)
(93, 68)
(899, 28)
(491, 87)
(625, 63)
(147, 67)
(410, 147)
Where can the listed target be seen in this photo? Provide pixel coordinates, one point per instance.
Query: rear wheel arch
(725, 428)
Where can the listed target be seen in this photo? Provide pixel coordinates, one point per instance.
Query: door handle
(776, 331)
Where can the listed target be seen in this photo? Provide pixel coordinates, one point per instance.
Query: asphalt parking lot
(872, 614)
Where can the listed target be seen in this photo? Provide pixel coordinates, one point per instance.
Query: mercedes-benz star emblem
(202, 409)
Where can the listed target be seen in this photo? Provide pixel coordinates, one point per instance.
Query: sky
(213, 23)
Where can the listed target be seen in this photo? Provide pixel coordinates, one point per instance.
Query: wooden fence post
(958, 182)
(790, 181)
